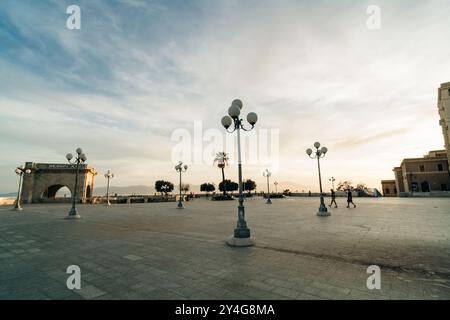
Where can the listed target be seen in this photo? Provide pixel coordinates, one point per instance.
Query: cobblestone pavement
(155, 251)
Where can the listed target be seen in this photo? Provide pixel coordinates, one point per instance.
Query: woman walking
(350, 199)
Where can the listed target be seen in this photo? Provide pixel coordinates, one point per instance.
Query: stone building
(44, 181)
(444, 113)
(427, 174)
(389, 188)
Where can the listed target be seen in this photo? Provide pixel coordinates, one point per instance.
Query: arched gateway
(46, 179)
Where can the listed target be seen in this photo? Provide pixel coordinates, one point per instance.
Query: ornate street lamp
(81, 158)
(241, 233)
(108, 175)
(332, 179)
(20, 171)
(276, 187)
(319, 153)
(267, 174)
(180, 168)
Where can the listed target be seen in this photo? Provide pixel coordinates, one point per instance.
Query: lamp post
(332, 179)
(180, 168)
(319, 153)
(108, 175)
(20, 171)
(81, 158)
(276, 187)
(241, 236)
(267, 174)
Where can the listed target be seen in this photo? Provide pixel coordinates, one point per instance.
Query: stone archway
(49, 194)
(45, 180)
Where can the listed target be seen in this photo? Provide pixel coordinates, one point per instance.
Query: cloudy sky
(139, 71)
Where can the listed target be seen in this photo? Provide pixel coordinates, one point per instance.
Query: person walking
(333, 198)
(350, 199)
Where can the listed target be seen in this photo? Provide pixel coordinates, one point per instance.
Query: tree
(361, 187)
(163, 186)
(344, 185)
(185, 187)
(249, 185)
(229, 185)
(207, 187)
(222, 161)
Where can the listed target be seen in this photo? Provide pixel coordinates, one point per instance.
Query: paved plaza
(155, 251)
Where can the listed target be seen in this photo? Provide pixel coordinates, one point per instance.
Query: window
(387, 190)
(444, 187)
(421, 168)
(395, 190)
(440, 167)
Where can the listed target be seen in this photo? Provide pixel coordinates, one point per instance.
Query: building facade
(44, 181)
(427, 174)
(444, 113)
(389, 188)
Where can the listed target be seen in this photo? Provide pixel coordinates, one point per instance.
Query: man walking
(333, 198)
(350, 199)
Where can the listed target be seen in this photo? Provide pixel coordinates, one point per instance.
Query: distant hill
(128, 190)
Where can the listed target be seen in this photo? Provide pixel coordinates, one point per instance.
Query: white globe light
(28, 171)
(185, 167)
(324, 150)
(309, 152)
(252, 118)
(79, 151)
(317, 145)
(69, 156)
(234, 111)
(237, 103)
(17, 171)
(83, 157)
(226, 122)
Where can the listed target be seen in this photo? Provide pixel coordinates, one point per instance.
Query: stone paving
(155, 251)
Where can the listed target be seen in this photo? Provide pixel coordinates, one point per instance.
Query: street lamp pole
(241, 236)
(332, 179)
(81, 158)
(276, 187)
(319, 153)
(20, 171)
(180, 168)
(267, 174)
(108, 175)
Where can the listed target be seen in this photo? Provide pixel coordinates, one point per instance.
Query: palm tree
(222, 161)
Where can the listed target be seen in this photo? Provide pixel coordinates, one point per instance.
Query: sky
(137, 73)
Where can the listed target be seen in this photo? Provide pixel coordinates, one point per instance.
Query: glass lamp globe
(79, 151)
(69, 156)
(317, 145)
(226, 122)
(237, 103)
(252, 118)
(308, 152)
(234, 111)
(324, 150)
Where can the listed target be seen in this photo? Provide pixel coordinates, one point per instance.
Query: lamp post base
(17, 209)
(269, 201)
(240, 242)
(73, 214)
(322, 213)
(73, 217)
(180, 205)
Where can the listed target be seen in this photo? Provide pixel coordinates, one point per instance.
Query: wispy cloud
(137, 70)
